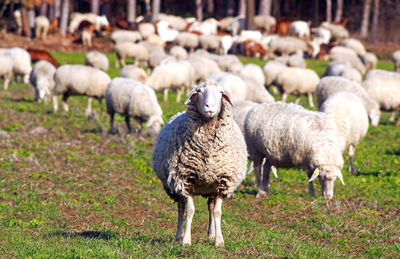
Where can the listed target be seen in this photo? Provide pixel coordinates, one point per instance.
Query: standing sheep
(201, 152)
(343, 69)
(187, 40)
(233, 84)
(254, 71)
(130, 50)
(88, 81)
(287, 136)
(21, 62)
(97, 60)
(124, 35)
(42, 80)
(42, 24)
(131, 98)
(134, 72)
(6, 69)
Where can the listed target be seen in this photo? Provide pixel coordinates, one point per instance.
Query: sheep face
(327, 178)
(207, 97)
(374, 115)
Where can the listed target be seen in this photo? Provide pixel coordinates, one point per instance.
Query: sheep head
(327, 178)
(207, 97)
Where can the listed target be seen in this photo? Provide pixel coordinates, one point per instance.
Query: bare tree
(210, 6)
(43, 8)
(64, 17)
(242, 8)
(375, 20)
(339, 10)
(250, 14)
(365, 18)
(156, 9)
(199, 10)
(131, 10)
(95, 6)
(230, 7)
(328, 10)
(265, 7)
(57, 8)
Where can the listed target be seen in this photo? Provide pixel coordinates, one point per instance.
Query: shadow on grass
(94, 130)
(393, 152)
(20, 100)
(105, 235)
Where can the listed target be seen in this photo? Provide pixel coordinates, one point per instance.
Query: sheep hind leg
(352, 168)
(179, 94)
(181, 212)
(166, 94)
(284, 97)
(265, 176)
(392, 115)
(211, 219)
(64, 102)
(219, 239)
(6, 82)
(297, 100)
(310, 100)
(257, 171)
(128, 124)
(311, 190)
(89, 108)
(187, 237)
(112, 129)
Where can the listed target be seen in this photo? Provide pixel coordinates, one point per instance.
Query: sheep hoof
(219, 243)
(261, 194)
(186, 243)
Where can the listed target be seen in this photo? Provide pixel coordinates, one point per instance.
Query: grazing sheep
(146, 29)
(236, 87)
(300, 29)
(176, 22)
(287, 136)
(97, 60)
(343, 69)
(134, 72)
(225, 61)
(178, 52)
(296, 60)
(21, 62)
(88, 81)
(286, 45)
(151, 47)
(42, 79)
(167, 34)
(271, 69)
(370, 60)
(254, 71)
(396, 60)
(331, 84)
(155, 58)
(130, 50)
(347, 55)
(131, 98)
(255, 91)
(202, 66)
(353, 44)
(123, 35)
(265, 22)
(351, 119)
(42, 24)
(206, 27)
(210, 42)
(187, 40)
(297, 81)
(201, 152)
(338, 32)
(6, 69)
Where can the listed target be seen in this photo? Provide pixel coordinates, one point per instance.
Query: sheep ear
(314, 175)
(190, 95)
(340, 176)
(227, 96)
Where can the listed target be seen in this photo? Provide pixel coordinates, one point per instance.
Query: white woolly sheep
(333, 84)
(297, 81)
(166, 34)
(286, 45)
(287, 136)
(151, 46)
(131, 98)
(323, 35)
(146, 29)
(6, 69)
(42, 24)
(271, 69)
(201, 152)
(343, 69)
(176, 22)
(21, 62)
(338, 32)
(370, 60)
(296, 60)
(42, 79)
(254, 71)
(77, 18)
(232, 83)
(187, 40)
(351, 119)
(134, 72)
(88, 81)
(353, 44)
(255, 91)
(178, 52)
(347, 55)
(206, 27)
(225, 61)
(202, 67)
(124, 35)
(396, 60)
(225, 44)
(155, 58)
(130, 50)
(265, 22)
(97, 60)
(210, 42)
(300, 29)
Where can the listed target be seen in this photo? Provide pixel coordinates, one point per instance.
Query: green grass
(77, 192)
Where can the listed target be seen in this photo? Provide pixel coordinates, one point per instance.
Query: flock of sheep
(230, 117)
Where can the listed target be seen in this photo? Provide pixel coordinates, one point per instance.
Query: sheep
(206, 27)
(254, 71)
(294, 80)
(167, 34)
(21, 62)
(265, 22)
(255, 91)
(201, 152)
(332, 84)
(250, 35)
(203, 67)
(384, 87)
(351, 119)
(323, 35)
(271, 69)
(87, 35)
(42, 79)
(287, 45)
(130, 50)
(42, 24)
(6, 69)
(155, 58)
(77, 18)
(210, 42)
(232, 83)
(176, 22)
(343, 69)
(146, 29)
(155, 38)
(353, 44)
(338, 32)
(187, 40)
(224, 61)
(172, 75)
(396, 60)
(370, 60)
(344, 54)
(151, 46)
(97, 60)
(131, 98)
(287, 136)
(300, 29)
(178, 52)
(79, 80)
(296, 60)
(134, 72)
(124, 35)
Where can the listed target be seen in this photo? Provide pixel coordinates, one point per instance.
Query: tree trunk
(230, 8)
(242, 8)
(265, 7)
(250, 14)
(25, 22)
(328, 10)
(57, 8)
(131, 11)
(156, 9)
(339, 10)
(210, 6)
(64, 17)
(95, 6)
(43, 8)
(316, 11)
(31, 18)
(365, 19)
(375, 20)
(199, 10)
(51, 8)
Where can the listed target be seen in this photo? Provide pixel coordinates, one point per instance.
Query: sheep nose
(329, 196)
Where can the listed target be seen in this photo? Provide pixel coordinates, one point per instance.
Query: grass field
(68, 189)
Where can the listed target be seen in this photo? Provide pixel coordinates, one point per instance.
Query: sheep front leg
(297, 100)
(211, 219)
(311, 190)
(179, 94)
(89, 108)
(181, 212)
(112, 130)
(128, 124)
(6, 82)
(219, 239)
(265, 176)
(166, 94)
(257, 171)
(392, 115)
(64, 102)
(352, 168)
(310, 100)
(284, 97)
(187, 237)
(55, 103)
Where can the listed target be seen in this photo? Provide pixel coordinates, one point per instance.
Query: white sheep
(236, 87)
(210, 42)
(225, 61)
(201, 152)
(351, 119)
(297, 81)
(343, 69)
(97, 60)
(265, 22)
(79, 80)
(300, 29)
(202, 67)
(151, 46)
(225, 44)
(131, 98)
(124, 35)
(271, 69)
(146, 29)
(353, 44)
(178, 52)
(338, 32)
(130, 50)
(286, 45)
(187, 40)
(6, 69)
(347, 55)
(134, 72)
(396, 60)
(155, 58)
(176, 22)
(370, 60)
(42, 24)
(255, 91)
(21, 62)
(42, 79)
(77, 18)
(254, 71)
(167, 34)
(287, 136)
(206, 27)
(296, 60)
(323, 35)
(333, 84)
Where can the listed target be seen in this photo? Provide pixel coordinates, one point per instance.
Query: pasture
(68, 189)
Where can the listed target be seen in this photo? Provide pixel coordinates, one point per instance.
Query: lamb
(42, 80)
(201, 152)
(233, 84)
(6, 69)
(332, 84)
(131, 98)
(124, 35)
(351, 119)
(42, 24)
(343, 69)
(370, 60)
(88, 81)
(134, 72)
(97, 60)
(294, 80)
(396, 60)
(21, 62)
(130, 50)
(287, 136)
(178, 52)
(384, 87)
(187, 40)
(300, 29)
